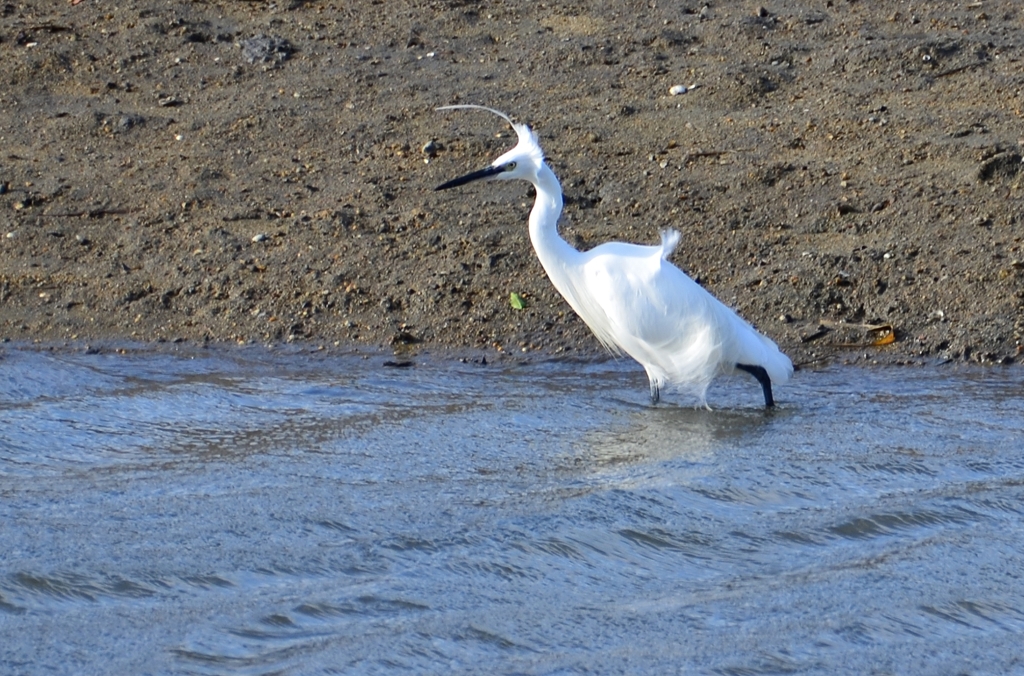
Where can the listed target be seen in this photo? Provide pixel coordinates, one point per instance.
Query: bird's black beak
(473, 176)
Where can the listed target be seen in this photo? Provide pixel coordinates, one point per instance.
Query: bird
(633, 298)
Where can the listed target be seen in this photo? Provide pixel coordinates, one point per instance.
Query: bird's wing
(653, 311)
(643, 298)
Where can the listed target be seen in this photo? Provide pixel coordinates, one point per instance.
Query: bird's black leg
(762, 377)
(655, 392)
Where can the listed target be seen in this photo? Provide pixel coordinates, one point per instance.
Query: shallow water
(258, 512)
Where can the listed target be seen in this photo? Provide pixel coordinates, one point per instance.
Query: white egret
(632, 298)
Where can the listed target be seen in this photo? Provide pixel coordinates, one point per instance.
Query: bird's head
(522, 162)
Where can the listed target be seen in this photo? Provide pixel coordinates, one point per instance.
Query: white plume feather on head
(528, 140)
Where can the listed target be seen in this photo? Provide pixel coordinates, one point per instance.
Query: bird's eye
(510, 166)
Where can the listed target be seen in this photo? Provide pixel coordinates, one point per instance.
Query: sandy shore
(257, 172)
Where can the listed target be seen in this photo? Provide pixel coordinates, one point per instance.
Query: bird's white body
(633, 298)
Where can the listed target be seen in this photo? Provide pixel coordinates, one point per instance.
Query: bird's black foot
(762, 377)
(655, 393)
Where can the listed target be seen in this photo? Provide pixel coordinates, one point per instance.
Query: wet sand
(260, 172)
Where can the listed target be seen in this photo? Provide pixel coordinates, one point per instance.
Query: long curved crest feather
(527, 137)
(465, 106)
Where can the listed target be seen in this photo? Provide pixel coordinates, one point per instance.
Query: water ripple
(268, 512)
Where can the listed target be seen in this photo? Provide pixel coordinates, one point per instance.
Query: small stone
(266, 49)
(262, 237)
(430, 148)
(676, 90)
(127, 121)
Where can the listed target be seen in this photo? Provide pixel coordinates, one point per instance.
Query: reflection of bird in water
(632, 298)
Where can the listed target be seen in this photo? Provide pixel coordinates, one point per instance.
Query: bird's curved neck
(553, 251)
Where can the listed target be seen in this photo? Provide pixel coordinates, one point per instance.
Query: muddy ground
(252, 171)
